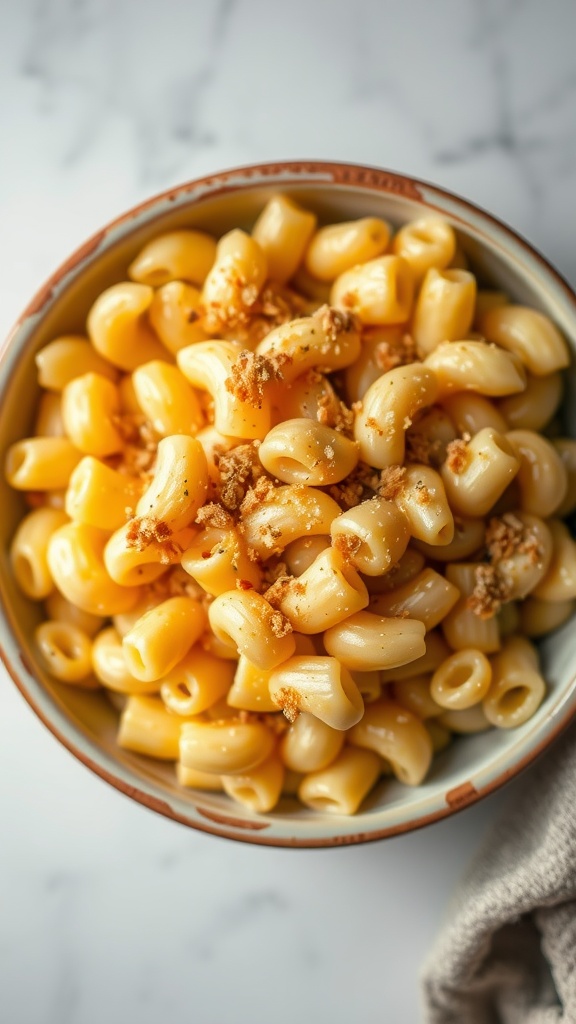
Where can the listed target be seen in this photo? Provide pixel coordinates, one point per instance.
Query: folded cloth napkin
(507, 951)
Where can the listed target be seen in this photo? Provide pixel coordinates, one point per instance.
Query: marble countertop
(109, 912)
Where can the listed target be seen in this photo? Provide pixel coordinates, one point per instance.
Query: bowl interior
(86, 721)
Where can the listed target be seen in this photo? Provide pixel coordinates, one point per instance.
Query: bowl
(85, 721)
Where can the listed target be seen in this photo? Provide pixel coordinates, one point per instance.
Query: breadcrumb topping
(490, 592)
(250, 375)
(239, 469)
(212, 514)
(507, 536)
(256, 495)
(457, 455)
(335, 322)
(276, 305)
(288, 700)
(363, 482)
(332, 411)
(347, 544)
(145, 530)
(279, 624)
(392, 482)
(390, 354)
(277, 590)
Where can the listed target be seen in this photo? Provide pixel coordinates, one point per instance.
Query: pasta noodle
(287, 500)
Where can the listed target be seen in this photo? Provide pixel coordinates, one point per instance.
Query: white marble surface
(107, 912)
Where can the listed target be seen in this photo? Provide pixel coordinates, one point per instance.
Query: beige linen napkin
(507, 951)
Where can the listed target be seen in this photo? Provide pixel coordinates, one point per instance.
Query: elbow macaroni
(298, 543)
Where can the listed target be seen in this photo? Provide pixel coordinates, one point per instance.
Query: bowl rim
(241, 178)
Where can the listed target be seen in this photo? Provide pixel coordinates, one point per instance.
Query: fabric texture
(507, 951)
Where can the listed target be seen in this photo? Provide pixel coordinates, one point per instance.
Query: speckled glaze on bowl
(84, 721)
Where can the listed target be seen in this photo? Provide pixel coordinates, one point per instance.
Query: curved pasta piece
(380, 291)
(444, 308)
(480, 474)
(210, 366)
(166, 399)
(245, 620)
(542, 477)
(40, 463)
(475, 366)
(327, 340)
(388, 408)
(427, 597)
(339, 247)
(76, 562)
(374, 535)
(283, 231)
(301, 451)
(422, 499)
(29, 551)
(366, 641)
(230, 747)
(90, 407)
(285, 514)
(425, 243)
(118, 326)
(320, 686)
(234, 281)
(258, 789)
(399, 737)
(529, 335)
(343, 785)
(517, 687)
(326, 593)
(146, 727)
(183, 255)
(68, 357)
(179, 486)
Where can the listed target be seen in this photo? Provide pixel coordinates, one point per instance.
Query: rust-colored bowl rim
(238, 179)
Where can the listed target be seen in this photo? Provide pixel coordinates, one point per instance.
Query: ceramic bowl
(84, 721)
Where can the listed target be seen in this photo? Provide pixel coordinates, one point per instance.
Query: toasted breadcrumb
(212, 514)
(288, 701)
(375, 426)
(347, 544)
(239, 469)
(507, 536)
(332, 411)
(390, 354)
(250, 375)
(243, 297)
(392, 482)
(279, 624)
(256, 495)
(145, 530)
(277, 590)
(335, 322)
(276, 305)
(363, 482)
(457, 455)
(490, 592)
